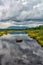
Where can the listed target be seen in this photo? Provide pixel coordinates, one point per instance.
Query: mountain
(17, 27)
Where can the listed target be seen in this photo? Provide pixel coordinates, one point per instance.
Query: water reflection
(27, 52)
(17, 32)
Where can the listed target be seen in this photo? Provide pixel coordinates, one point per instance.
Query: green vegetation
(36, 33)
(4, 32)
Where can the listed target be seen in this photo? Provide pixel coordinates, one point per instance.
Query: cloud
(6, 24)
(9, 9)
(21, 11)
(12, 23)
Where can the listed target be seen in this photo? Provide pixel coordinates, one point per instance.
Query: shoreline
(36, 38)
(35, 33)
(37, 41)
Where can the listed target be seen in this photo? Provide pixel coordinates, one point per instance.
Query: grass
(2, 32)
(36, 33)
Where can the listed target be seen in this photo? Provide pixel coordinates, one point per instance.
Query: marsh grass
(36, 33)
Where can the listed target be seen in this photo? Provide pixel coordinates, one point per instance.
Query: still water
(26, 52)
(17, 32)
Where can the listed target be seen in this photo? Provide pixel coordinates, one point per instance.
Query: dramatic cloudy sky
(21, 12)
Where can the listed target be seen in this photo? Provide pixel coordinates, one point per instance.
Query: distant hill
(17, 27)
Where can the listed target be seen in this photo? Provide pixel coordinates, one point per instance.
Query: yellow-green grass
(2, 32)
(38, 35)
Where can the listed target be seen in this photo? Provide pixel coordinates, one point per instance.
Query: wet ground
(27, 52)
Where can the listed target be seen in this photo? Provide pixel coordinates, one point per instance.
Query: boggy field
(36, 33)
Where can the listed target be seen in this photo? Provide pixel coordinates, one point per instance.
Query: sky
(21, 12)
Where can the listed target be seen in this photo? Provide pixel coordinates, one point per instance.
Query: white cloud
(9, 8)
(6, 24)
(16, 8)
(20, 10)
(12, 23)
